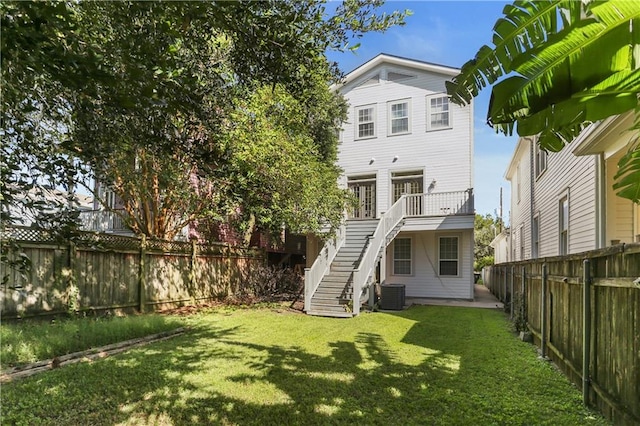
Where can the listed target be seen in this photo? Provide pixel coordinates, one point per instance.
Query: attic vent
(370, 81)
(396, 76)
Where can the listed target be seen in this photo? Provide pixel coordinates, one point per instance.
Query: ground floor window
(402, 256)
(448, 256)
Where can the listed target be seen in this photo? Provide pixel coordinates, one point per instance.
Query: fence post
(523, 298)
(141, 275)
(73, 301)
(586, 330)
(543, 312)
(503, 290)
(192, 271)
(513, 278)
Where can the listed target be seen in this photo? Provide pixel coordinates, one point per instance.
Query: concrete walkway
(482, 298)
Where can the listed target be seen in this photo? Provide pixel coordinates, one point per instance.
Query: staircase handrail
(313, 276)
(388, 221)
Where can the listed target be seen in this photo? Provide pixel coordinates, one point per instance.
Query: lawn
(29, 341)
(426, 365)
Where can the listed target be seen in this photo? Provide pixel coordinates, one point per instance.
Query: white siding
(619, 211)
(576, 176)
(425, 281)
(444, 156)
(520, 170)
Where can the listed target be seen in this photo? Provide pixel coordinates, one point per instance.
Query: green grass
(34, 340)
(423, 366)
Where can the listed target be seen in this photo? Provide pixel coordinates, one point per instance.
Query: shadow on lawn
(362, 381)
(359, 381)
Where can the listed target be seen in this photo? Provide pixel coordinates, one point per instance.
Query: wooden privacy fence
(102, 271)
(592, 331)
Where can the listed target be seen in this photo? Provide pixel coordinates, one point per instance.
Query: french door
(364, 189)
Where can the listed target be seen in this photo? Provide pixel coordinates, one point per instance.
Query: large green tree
(484, 231)
(556, 65)
(118, 85)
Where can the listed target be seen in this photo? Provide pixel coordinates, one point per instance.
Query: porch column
(383, 266)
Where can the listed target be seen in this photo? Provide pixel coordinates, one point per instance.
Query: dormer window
(365, 122)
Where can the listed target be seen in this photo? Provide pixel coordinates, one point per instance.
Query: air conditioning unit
(392, 297)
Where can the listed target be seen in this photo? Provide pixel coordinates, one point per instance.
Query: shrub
(270, 283)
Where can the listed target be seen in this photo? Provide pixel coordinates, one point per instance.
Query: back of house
(405, 145)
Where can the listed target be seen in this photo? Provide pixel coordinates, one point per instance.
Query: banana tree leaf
(621, 83)
(525, 24)
(573, 60)
(627, 179)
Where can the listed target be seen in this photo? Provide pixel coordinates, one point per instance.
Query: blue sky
(449, 33)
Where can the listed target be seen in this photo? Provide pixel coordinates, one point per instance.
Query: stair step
(328, 306)
(335, 274)
(331, 301)
(351, 250)
(342, 268)
(335, 281)
(321, 313)
(345, 262)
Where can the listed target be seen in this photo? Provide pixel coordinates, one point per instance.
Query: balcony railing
(439, 204)
(102, 221)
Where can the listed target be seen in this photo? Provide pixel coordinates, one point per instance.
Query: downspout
(532, 176)
(601, 211)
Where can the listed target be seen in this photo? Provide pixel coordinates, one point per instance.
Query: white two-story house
(564, 202)
(406, 153)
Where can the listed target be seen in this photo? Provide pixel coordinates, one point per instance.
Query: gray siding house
(564, 202)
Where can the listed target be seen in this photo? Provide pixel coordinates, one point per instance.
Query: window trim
(358, 123)
(522, 240)
(430, 128)
(564, 196)
(518, 183)
(535, 236)
(390, 119)
(440, 259)
(393, 257)
(540, 154)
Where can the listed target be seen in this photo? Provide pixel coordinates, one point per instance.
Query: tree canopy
(485, 229)
(153, 98)
(557, 65)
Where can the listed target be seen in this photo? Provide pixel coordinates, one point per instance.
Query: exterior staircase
(334, 295)
(345, 269)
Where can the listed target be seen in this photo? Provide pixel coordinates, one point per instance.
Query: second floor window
(398, 117)
(438, 113)
(540, 159)
(365, 122)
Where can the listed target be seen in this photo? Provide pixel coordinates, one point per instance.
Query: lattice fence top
(168, 246)
(119, 242)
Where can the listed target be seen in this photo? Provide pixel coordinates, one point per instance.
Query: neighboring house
(49, 201)
(501, 246)
(106, 216)
(564, 203)
(406, 154)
